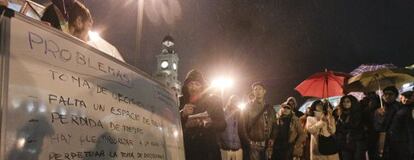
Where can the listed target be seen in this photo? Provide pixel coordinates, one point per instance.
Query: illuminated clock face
(164, 64)
(174, 66)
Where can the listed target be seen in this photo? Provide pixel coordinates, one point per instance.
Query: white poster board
(66, 101)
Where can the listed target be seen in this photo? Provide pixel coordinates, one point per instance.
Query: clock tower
(167, 66)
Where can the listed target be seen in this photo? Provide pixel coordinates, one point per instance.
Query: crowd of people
(374, 128)
(369, 129)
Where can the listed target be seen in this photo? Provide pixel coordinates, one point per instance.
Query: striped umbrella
(370, 67)
(375, 80)
(367, 68)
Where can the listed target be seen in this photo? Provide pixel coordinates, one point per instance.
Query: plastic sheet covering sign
(66, 102)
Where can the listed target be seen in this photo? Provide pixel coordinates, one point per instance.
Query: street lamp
(222, 83)
(241, 106)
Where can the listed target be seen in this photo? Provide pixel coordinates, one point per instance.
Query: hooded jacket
(200, 142)
(295, 108)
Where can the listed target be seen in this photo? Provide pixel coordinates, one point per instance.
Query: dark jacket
(369, 105)
(382, 124)
(349, 129)
(201, 142)
(288, 136)
(399, 133)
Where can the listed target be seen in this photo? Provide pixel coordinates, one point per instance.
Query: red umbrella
(323, 84)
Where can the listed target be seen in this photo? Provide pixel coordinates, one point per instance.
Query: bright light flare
(21, 142)
(222, 83)
(242, 105)
(93, 36)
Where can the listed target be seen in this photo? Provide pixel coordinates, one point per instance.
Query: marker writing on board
(66, 101)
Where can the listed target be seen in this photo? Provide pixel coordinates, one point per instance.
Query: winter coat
(253, 125)
(315, 128)
(306, 144)
(369, 105)
(201, 142)
(349, 130)
(399, 134)
(296, 135)
(382, 125)
(383, 122)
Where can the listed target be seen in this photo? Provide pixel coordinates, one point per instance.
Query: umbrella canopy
(374, 80)
(323, 85)
(361, 69)
(370, 67)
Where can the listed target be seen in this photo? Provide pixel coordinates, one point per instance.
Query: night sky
(279, 42)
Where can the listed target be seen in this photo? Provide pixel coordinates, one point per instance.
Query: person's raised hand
(188, 110)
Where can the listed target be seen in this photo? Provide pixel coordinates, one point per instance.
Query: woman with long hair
(321, 125)
(349, 129)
